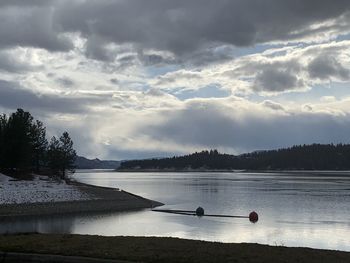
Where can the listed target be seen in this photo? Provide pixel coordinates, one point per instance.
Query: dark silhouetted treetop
(61, 155)
(24, 147)
(17, 140)
(303, 157)
(39, 145)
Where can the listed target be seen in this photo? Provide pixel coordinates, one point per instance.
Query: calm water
(295, 209)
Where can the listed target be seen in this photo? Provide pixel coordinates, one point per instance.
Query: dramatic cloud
(179, 27)
(183, 26)
(241, 126)
(12, 95)
(327, 67)
(135, 78)
(31, 26)
(231, 125)
(275, 71)
(273, 80)
(12, 64)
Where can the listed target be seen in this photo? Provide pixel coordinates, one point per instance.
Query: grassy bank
(152, 249)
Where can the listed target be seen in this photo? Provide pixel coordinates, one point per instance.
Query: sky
(138, 79)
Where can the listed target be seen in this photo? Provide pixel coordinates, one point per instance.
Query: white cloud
(293, 68)
(136, 79)
(232, 124)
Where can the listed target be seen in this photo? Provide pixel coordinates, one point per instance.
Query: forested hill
(84, 163)
(305, 157)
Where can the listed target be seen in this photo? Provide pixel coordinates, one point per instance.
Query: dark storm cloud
(95, 48)
(186, 25)
(274, 76)
(26, 3)
(209, 56)
(327, 66)
(13, 96)
(181, 26)
(30, 26)
(211, 126)
(277, 80)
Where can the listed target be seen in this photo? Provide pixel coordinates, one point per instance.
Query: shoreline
(176, 171)
(228, 171)
(103, 199)
(158, 249)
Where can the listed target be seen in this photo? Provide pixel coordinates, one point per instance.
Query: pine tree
(54, 155)
(3, 125)
(68, 154)
(39, 144)
(61, 155)
(24, 148)
(17, 141)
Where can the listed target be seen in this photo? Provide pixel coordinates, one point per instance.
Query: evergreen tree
(17, 141)
(39, 144)
(61, 155)
(303, 157)
(68, 154)
(54, 155)
(3, 125)
(24, 148)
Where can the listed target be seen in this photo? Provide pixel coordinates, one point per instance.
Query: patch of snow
(40, 189)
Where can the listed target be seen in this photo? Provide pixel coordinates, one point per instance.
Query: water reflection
(42, 224)
(294, 209)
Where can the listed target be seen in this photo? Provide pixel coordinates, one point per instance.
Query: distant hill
(84, 163)
(303, 157)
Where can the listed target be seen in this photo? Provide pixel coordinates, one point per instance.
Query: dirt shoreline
(159, 249)
(103, 199)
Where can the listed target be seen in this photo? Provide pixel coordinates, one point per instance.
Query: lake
(308, 209)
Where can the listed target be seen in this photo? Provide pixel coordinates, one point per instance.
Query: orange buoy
(253, 217)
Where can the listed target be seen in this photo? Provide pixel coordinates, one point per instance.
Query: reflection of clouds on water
(300, 212)
(345, 223)
(43, 224)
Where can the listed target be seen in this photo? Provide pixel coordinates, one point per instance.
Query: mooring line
(253, 216)
(189, 213)
(173, 210)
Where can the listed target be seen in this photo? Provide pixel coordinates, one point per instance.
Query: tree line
(24, 148)
(302, 157)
